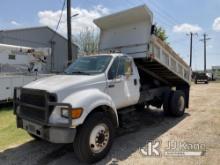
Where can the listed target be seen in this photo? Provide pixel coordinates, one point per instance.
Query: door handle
(135, 82)
(111, 86)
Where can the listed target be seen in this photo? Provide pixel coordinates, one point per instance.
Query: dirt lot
(201, 124)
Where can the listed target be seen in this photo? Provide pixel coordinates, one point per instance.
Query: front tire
(94, 138)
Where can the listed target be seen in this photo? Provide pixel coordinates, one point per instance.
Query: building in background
(40, 37)
(216, 72)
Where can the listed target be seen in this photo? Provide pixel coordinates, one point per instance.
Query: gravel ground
(200, 124)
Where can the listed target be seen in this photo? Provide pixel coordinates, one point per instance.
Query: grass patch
(9, 134)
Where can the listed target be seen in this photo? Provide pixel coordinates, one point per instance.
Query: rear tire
(166, 103)
(141, 107)
(177, 104)
(94, 138)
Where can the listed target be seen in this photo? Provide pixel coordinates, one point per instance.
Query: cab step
(129, 120)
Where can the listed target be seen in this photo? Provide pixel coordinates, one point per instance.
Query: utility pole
(191, 45)
(205, 39)
(69, 32)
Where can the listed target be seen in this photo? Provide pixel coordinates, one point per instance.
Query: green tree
(161, 33)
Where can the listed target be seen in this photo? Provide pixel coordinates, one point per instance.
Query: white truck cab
(52, 108)
(92, 81)
(99, 93)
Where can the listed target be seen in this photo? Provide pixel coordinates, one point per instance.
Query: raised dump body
(131, 32)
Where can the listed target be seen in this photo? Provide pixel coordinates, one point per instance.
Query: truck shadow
(153, 124)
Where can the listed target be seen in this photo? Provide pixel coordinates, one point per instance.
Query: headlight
(65, 112)
(73, 113)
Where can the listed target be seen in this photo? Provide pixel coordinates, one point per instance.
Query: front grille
(34, 105)
(33, 113)
(33, 98)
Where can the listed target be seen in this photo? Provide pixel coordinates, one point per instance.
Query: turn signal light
(76, 113)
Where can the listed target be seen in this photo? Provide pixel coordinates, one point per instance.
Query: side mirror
(128, 68)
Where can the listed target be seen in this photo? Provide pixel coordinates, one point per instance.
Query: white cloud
(83, 20)
(186, 28)
(15, 23)
(216, 24)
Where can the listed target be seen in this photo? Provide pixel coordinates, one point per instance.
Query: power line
(59, 21)
(61, 15)
(162, 19)
(161, 16)
(160, 8)
(164, 16)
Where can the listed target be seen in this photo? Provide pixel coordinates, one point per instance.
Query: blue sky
(176, 16)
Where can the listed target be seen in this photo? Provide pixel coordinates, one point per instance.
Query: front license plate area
(33, 128)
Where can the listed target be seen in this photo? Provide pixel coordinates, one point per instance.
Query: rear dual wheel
(174, 103)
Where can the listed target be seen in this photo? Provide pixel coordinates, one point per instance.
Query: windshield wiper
(80, 72)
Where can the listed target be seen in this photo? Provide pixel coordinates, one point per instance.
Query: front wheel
(94, 138)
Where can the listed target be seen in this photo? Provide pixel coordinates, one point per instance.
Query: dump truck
(102, 93)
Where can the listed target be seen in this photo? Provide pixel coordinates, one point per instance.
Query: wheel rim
(181, 103)
(99, 138)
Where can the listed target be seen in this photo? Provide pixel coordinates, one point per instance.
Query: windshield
(89, 65)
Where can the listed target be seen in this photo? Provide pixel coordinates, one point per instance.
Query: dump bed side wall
(168, 58)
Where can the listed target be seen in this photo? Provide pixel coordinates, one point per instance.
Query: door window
(121, 66)
(112, 73)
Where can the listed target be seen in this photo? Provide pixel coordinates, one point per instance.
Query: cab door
(123, 82)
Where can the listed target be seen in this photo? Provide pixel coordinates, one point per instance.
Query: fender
(89, 99)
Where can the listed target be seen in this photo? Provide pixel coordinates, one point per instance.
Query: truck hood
(58, 83)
